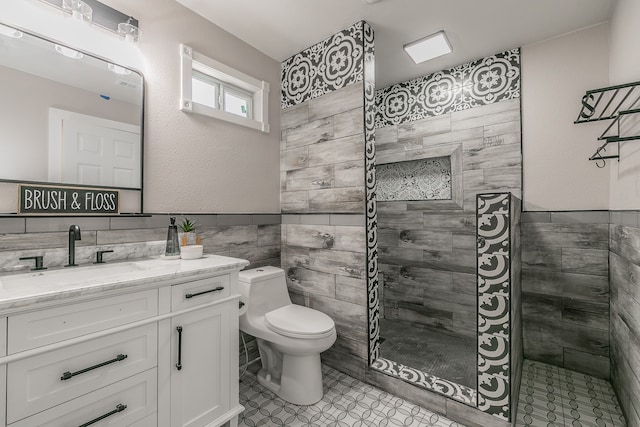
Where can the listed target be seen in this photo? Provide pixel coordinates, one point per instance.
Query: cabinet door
(200, 365)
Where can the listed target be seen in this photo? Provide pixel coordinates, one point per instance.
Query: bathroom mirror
(67, 117)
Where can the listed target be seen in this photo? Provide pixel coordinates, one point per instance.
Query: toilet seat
(297, 321)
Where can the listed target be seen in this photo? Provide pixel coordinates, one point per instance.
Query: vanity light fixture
(429, 47)
(129, 32)
(78, 10)
(10, 32)
(118, 69)
(68, 52)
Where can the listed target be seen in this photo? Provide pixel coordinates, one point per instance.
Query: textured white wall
(192, 163)
(555, 75)
(624, 67)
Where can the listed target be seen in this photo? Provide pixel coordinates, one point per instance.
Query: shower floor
(432, 351)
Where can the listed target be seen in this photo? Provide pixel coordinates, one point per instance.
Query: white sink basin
(74, 276)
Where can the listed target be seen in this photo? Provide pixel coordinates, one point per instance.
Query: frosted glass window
(423, 179)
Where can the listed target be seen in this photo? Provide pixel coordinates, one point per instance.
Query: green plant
(187, 225)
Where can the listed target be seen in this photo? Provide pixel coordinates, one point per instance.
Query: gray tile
(630, 219)
(207, 220)
(615, 217)
(127, 223)
(12, 225)
(321, 219)
(581, 217)
(536, 217)
(44, 225)
(235, 219)
(356, 220)
(264, 219)
(291, 219)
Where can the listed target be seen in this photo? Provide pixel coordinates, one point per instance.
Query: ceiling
(475, 28)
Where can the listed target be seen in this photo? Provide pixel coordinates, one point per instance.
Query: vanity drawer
(199, 292)
(36, 383)
(38, 328)
(138, 393)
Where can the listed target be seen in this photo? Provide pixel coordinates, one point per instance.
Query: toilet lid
(297, 321)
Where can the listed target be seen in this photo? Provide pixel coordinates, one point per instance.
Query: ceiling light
(10, 32)
(68, 52)
(428, 47)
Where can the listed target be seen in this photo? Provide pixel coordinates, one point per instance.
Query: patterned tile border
(485, 81)
(332, 64)
(494, 364)
(450, 389)
(373, 302)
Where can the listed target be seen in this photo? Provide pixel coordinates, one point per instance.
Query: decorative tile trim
(373, 301)
(430, 382)
(494, 287)
(325, 67)
(482, 82)
(423, 179)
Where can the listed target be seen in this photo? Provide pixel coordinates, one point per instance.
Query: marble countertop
(34, 287)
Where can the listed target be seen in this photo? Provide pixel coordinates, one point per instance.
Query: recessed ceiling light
(428, 47)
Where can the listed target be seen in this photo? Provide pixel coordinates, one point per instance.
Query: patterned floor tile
(549, 397)
(347, 402)
(573, 399)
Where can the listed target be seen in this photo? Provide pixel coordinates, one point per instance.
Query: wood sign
(48, 200)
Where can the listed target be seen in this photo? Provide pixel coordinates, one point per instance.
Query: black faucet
(74, 234)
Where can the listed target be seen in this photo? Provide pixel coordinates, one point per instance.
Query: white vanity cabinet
(162, 352)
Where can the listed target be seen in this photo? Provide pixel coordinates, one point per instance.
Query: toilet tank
(263, 289)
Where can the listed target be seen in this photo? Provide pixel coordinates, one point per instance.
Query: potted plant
(188, 234)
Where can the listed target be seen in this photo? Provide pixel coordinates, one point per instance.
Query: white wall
(555, 75)
(192, 164)
(624, 67)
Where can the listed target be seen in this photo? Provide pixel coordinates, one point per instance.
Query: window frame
(236, 81)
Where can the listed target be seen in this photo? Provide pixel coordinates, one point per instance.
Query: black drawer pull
(119, 408)
(219, 288)
(179, 364)
(68, 375)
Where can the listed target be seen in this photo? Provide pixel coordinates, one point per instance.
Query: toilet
(290, 337)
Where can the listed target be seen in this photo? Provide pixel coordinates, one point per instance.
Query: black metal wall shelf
(619, 104)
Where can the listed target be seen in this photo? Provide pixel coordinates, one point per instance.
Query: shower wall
(327, 125)
(624, 259)
(427, 249)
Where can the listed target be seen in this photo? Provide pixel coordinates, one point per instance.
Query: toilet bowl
(290, 337)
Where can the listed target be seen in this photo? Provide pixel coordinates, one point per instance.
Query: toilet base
(300, 382)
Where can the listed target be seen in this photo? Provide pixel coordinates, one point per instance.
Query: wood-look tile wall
(252, 237)
(324, 256)
(624, 258)
(565, 289)
(427, 249)
(322, 154)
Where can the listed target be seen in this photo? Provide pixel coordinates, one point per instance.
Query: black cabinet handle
(179, 364)
(219, 288)
(119, 408)
(68, 375)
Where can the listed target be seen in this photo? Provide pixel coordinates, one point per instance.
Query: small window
(216, 90)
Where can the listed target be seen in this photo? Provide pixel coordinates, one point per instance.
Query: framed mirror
(68, 117)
